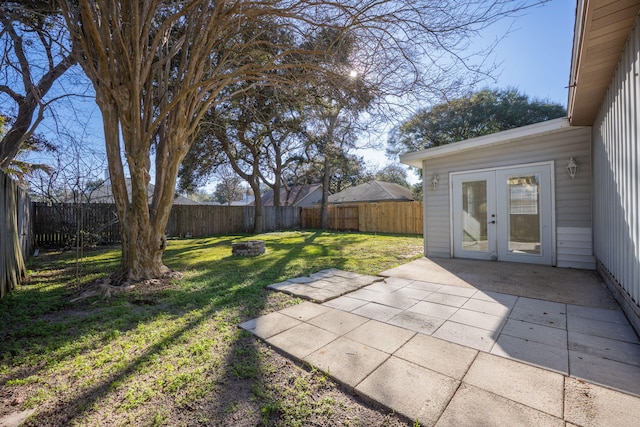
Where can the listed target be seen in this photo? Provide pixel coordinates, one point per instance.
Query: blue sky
(534, 57)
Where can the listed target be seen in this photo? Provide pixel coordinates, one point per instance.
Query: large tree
(479, 113)
(34, 53)
(158, 66)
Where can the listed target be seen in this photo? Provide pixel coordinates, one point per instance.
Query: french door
(504, 214)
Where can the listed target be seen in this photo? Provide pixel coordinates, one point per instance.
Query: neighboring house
(104, 194)
(298, 195)
(564, 192)
(373, 191)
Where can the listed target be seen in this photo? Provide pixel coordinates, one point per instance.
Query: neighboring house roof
(601, 31)
(298, 195)
(507, 136)
(103, 194)
(373, 191)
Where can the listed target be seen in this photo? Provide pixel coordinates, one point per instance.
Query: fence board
(383, 217)
(15, 233)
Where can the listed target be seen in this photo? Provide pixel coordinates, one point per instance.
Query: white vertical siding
(573, 196)
(616, 178)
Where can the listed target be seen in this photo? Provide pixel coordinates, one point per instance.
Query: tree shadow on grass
(222, 295)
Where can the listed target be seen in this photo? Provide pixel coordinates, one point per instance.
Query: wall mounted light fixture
(434, 182)
(572, 168)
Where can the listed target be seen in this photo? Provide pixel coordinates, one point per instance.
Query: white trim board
(512, 135)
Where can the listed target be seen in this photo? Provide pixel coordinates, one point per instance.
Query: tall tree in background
(158, 66)
(332, 120)
(477, 114)
(34, 53)
(394, 173)
(229, 188)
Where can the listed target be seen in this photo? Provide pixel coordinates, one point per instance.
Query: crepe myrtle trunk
(142, 225)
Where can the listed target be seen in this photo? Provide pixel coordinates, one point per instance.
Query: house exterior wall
(573, 197)
(616, 157)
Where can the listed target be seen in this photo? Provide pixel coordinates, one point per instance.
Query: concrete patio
(460, 342)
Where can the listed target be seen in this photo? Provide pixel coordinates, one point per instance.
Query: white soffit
(498, 138)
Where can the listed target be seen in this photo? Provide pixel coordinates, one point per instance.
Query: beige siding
(575, 247)
(573, 196)
(616, 184)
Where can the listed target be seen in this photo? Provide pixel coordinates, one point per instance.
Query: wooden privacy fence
(97, 223)
(61, 224)
(382, 217)
(15, 233)
(207, 220)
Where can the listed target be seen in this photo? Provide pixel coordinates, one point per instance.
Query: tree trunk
(142, 233)
(142, 249)
(257, 222)
(277, 190)
(324, 209)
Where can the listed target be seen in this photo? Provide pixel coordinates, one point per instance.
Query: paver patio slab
(435, 310)
(363, 294)
(600, 328)
(466, 335)
(399, 365)
(534, 353)
(605, 348)
(377, 311)
(301, 340)
(457, 290)
(383, 287)
(409, 389)
(345, 303)
(479, 320)
(446, 299)
(347, 361)
(541, 305)
(387, 338)
(394, 300)
(412, 293)
(398, 281)
(591, 405)
(605, 315)
(305, 311)
(517, 381)
(488, 307)
(581, 287)
(472, 406)
(535, 332)
(496, 297)
(416, 322)
(425, 286)
(438, 355)
(541, 317)
(609, 373)
(270, 324)
(338, 321)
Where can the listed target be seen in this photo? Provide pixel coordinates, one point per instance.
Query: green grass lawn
(171, 353)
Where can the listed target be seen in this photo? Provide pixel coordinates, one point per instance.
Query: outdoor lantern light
(434, 182)
(572, 167)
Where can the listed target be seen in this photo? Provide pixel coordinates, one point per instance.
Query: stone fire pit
(249, 248)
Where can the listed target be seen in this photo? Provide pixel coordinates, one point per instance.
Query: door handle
(492, 222)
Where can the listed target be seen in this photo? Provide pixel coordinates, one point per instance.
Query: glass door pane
(474, 216)
(524, 214)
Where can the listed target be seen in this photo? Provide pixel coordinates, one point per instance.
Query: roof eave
(601, 31)
(524, 132)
